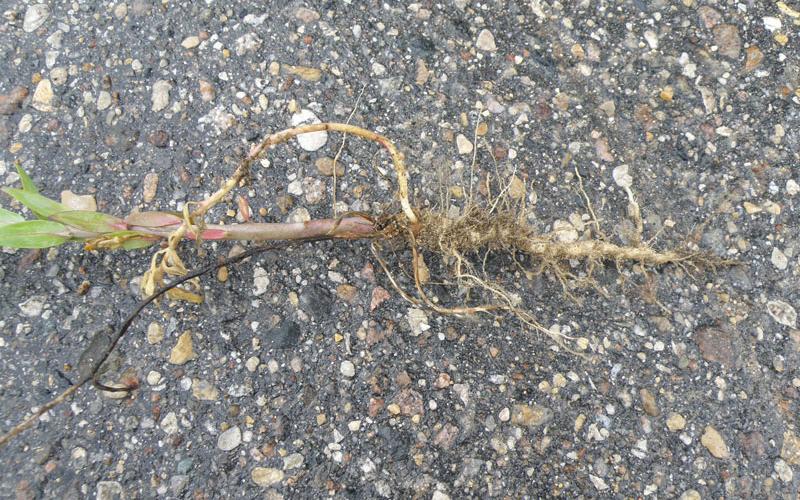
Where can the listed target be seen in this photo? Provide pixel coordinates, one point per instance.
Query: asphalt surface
(309, 375)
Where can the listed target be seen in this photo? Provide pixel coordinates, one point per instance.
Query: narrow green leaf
(27, 183)
(130, 240)
(33, 234)
(41, 206)
(135, 243)
(95, 222)
(7, 217)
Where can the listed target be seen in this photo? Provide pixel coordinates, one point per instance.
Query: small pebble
(35, 16)
(169, 424)
(312, 141)
(783, 313)
(676, 422)
(463, 145)
(183, 351)
(504, 415)
(155, 333)
(149, 187)
(485, 41)
(203, 390)
(772, 23)
(43, 97)
(792, 188)
(779, 259)
(78, 202)
(190, 42)
(347, 368)
(714, 442)
(229, 439)
(266, 476)
(292, 461)
(160, 95)
(103, 100)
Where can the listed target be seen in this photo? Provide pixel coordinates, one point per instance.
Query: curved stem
(284, 135)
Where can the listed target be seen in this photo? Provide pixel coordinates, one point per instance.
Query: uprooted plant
(494, 225)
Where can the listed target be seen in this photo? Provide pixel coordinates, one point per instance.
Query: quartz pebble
(779, 259)
(676, 422)
(782, 312)
(312, 141)
(190, 42)
(485, 41)
(229, 439)
(160, 95)
(266, 476)
(714, 442)
(43, 97)
(463, 145)
(35, 16)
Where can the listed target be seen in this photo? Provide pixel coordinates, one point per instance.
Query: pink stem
(355, 227)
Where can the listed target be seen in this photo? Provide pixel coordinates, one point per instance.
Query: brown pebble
(325, 167)
(726, 36)
(159, 139)
(752, 58)
(83, 288)
(149, 187)
(285, 203)
(403, 379)
(347, 292)
(10, 103)
(222, 274)
(443, 381)
(709, 16)
(649, 403)
(716, 345)
(207, 91)
(410, 402)
(379, 296)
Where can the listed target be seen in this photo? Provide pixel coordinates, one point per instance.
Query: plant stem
(354, 227)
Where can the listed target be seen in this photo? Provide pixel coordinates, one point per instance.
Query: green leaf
(33, 234)
(131, 240)
(41, 206)
(27, 183)
(135, 243)
(94, 222)
(7, 217)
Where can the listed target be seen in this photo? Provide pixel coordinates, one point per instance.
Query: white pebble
(651, 38)
(504, 415)
(160, 97)
(260, 281)
(486, 41)
(782, 312)
(622, 177)
(772, 23)
(792, 188)
(779, 259)
(35, 17)
(463, 144)
(229, 439)
(347, 368)
(314, 140)
(190, 42)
